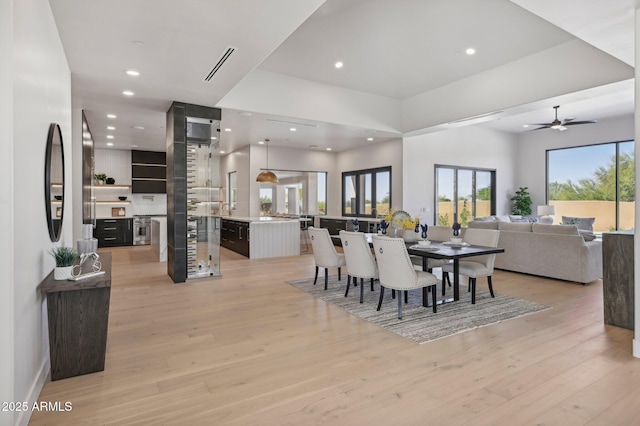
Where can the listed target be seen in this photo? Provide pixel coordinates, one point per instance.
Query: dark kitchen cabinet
(114, 232)
(235, 236)
(148, 172)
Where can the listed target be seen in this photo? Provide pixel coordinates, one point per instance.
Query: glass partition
(204, 199)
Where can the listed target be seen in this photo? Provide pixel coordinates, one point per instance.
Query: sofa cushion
(485, 219)
(542, 228)
(517, 227)
(586, 235)
(585, 223)
(483, 225)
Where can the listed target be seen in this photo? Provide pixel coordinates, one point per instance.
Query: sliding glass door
(463, 193)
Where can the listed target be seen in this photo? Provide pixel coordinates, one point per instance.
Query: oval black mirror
(54, 182)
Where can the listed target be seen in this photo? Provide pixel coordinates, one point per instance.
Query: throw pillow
(485, 219)
(584, 223)
(586, 235)
(504, 218)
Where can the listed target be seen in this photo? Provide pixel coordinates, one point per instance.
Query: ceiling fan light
(267, 176)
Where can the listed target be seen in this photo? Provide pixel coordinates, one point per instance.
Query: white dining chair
(325, 253)
(478, 266)
(436, 234)
(360, 261)
(396, 271)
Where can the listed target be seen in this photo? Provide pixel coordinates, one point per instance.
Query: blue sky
(580, 163)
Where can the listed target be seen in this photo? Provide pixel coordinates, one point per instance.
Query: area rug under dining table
(420, 324)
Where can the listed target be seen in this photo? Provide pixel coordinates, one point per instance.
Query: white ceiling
(393, 50)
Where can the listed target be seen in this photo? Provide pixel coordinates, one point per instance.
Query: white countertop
(362, 218)
(261, 219)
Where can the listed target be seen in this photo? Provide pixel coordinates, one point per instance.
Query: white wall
(465, 146)
(377, 155)
(42, 95)
(532, 146)
(7, 359)
(237, 161)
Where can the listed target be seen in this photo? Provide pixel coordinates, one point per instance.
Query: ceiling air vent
(226, 55)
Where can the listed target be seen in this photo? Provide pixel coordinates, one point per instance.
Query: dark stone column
(617, 279)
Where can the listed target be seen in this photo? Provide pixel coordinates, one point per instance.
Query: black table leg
(456, 279)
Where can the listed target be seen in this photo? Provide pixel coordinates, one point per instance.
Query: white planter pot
(62, 272)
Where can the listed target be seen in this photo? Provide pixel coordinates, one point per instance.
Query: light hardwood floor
(249, 349)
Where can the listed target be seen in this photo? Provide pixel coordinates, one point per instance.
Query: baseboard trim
(34, 392)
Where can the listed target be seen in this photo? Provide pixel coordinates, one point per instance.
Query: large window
(463, 193)
(296, 193)
(366, 192)
(593, 181)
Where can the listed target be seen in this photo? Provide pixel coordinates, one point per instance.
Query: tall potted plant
(65, 257)
(521, 202)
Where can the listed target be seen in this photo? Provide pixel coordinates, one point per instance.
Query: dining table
(441, 250)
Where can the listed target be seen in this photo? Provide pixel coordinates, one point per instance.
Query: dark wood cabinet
(148, 172)
(234, 235)
(114, 232)
(78, 317)
(336, 225)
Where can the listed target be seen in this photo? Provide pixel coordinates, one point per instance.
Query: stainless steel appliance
(141, 230)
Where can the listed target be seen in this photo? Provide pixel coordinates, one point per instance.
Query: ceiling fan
(560, 125)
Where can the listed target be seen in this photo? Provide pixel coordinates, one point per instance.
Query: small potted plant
(100, 178)
(65, 258)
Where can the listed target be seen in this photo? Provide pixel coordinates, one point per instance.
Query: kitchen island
(261, 237)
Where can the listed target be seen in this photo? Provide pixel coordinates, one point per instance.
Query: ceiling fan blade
(573, 123)
(568, 119)
(546, 126)
(539, 124)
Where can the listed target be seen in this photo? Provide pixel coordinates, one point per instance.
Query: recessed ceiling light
(111, 116)
(328, 149)
(221, 152)
(128, 93)
(293, 129)
(369, 139)
(133, 73)
(109, 143)
(470, 51)
(109, 136)
(260, 142)
(138, 127)
(339, 64)
(110, 128)
(227, 129)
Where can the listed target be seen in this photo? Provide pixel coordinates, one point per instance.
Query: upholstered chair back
(360, 261)
(324, 251)
(483, 237)
(394, 265)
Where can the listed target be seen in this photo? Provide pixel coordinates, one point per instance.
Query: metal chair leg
(361, 290)
(316, 277)
(339, 273)
(406, 296)
(371, 284)
(326, 277)
(490, 286)
(393, 294)
(399, 307)
(381, 296)
(433, 299)
(473, 291)
(348, 284)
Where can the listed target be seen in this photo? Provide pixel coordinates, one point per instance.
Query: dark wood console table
(617, 278)
(78, 314)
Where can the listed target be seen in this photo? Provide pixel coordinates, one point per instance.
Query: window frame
(358, 175)
(456, 169)
(617, 164)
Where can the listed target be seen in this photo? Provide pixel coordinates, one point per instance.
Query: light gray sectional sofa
(555, 251)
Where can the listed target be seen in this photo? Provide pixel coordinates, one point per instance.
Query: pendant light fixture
(267, 176)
